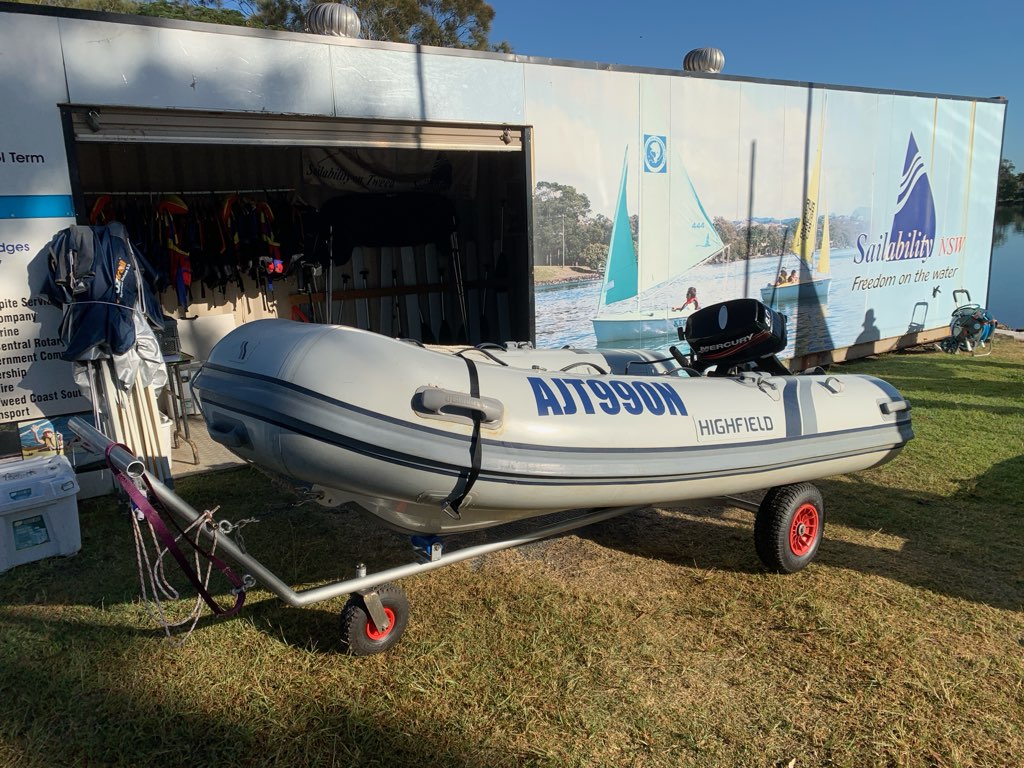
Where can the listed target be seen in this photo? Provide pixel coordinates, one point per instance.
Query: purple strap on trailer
(141, 502)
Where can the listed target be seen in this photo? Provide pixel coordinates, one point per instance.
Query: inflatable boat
(434, 441)
(441, 442)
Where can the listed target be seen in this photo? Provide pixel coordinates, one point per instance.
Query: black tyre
(360, 636)
(788, 527)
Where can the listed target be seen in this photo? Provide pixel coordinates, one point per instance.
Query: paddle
(413, 299)
(501, 278)
(460, 289)
(444, 335)
(366, 301)
(396, 313)
(434, 295)
(329, 289)
(341, 306)
(384, 312)
(485, 326)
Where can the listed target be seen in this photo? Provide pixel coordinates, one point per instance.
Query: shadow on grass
(969, 545)
(699, 538)
(77, 693)
(89, 725)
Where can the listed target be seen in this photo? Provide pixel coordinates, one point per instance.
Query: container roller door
(115, 125)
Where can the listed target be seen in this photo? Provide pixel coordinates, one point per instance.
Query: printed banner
(387, 171)
(859, 216)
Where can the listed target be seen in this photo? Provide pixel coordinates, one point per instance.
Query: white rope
(152, 572)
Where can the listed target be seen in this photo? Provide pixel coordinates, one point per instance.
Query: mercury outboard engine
(736, 333)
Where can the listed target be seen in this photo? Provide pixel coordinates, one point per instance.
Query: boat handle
(448, 402)
(230, 435)
(834, 385)
(894, 406)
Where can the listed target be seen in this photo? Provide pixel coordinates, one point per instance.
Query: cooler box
(38, 511)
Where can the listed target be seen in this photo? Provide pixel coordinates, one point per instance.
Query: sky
(939, 47)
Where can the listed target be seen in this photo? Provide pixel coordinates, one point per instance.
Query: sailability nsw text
(916, 246)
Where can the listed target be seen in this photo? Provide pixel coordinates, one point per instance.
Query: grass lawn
(552, 274)
(654, 639)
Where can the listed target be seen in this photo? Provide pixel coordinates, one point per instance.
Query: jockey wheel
(373, 621)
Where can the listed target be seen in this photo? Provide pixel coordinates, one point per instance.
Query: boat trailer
(788, 528)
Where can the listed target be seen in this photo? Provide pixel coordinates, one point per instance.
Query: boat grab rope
(594, 366)
(140, 491)
(466, 481)
(494, 358)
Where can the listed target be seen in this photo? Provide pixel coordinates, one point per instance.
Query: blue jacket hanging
(100, 280)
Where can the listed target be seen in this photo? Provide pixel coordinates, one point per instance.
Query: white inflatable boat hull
(388, 425)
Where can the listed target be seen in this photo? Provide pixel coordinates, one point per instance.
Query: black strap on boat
(467, 479)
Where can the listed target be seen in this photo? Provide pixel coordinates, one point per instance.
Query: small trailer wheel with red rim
(360, 634)
(788, 527)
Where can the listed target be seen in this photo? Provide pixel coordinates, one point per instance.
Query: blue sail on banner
(620, 280)
(913, 224)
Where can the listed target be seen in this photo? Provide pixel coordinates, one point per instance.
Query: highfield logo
(912, 235)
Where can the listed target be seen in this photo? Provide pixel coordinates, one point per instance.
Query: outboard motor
(734, 333)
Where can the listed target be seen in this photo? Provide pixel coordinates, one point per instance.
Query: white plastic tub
(38, 511)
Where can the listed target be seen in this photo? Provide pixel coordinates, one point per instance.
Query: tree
(444, 23)
(561, 223)
(280, 14)
(594, 256)
(103, 6)
(1010, 186)
(192, 11)
(386, 19)
(454, 24)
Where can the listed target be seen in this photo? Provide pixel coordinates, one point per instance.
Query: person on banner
(40, 436)
(691, 299)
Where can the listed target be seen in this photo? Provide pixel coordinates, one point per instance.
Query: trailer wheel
(788, 527)
(360, 636)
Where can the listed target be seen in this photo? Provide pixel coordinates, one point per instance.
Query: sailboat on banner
(813, 287)
(628, 275)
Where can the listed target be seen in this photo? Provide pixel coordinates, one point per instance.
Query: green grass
(546, 274)
(654, 639)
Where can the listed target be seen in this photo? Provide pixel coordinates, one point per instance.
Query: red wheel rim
(371, 630)
(803, 530)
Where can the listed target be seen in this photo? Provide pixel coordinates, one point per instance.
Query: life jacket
(270, 259)
(100, 280)
(102, 211)
(172, 213)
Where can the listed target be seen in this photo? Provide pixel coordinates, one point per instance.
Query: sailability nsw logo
(912, 235)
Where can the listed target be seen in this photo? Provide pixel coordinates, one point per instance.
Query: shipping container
(469, 197)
